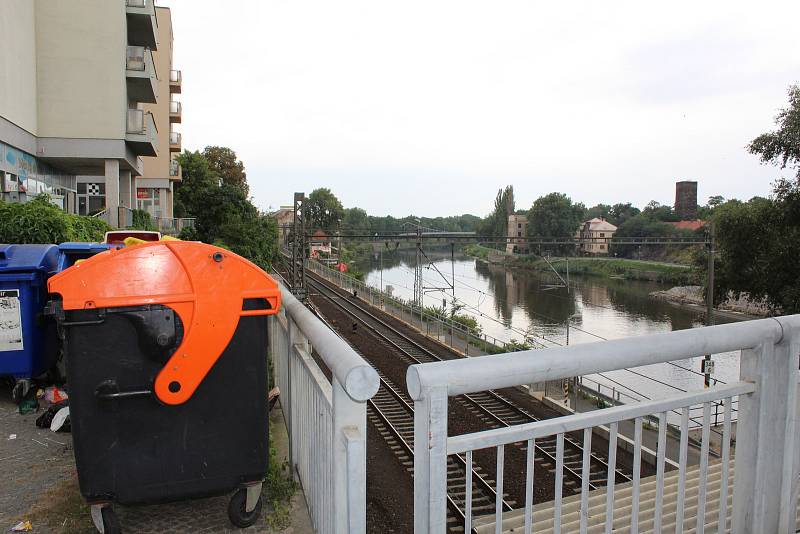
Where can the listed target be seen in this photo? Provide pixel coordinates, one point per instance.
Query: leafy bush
(142, 221)
(39, 221)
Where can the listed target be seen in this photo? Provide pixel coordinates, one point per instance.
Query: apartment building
(75, 80)
(155, 187)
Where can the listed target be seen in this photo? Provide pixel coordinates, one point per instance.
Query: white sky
(428, 107)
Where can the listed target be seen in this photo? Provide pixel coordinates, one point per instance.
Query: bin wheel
(110, 521)
(237, 513)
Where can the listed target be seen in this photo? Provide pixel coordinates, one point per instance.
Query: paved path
(39, 484)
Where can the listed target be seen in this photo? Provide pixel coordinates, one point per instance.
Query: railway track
(491, 407)
(392, 413)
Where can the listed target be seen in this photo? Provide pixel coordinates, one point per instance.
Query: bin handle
(210, 319)
(109, 390)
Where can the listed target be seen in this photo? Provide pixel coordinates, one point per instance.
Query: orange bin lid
(204, 284)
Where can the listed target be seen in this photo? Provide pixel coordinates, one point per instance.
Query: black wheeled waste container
(166, 348)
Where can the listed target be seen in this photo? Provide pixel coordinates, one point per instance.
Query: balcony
(175, 112)
(175, 81)
(141, 133)
(142, 24)
(175, 171)
(174, 142)
(140, 75)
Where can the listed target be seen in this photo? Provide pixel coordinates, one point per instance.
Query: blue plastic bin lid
(28, 258)
(84, 248)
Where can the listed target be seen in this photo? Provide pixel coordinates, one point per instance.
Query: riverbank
(668, 273)
(692, 297)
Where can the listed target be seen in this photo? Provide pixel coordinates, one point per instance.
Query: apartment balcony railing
(174, 169)
(141, 132)
(140, 74)
(174, 142)
(175, 81)
(756, 493)
(142, 23)
(175, 111)
(326, 419)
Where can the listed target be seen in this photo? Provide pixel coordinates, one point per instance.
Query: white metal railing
(175, 76)
(174, 107)
(136, 3)
(174, 168)
(326, 419)
(764, 476)
(174, 138)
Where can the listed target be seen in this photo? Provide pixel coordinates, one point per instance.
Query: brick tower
(686, 200)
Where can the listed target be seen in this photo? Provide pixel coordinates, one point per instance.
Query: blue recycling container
(28, 341)
(69, 253)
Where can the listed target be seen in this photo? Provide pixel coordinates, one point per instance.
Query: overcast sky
(428, 107)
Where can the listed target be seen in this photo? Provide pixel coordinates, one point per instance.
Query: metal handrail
(480, 373)
(358, 378)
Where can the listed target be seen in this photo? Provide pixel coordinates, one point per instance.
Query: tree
(619, 213)
(759, 240)
(657, 212)
(782, 147)
(496, 223)
(642, 225)
(555, 215)
(757, 243)
(356, 221)
(716, 200)
(228, 167)
(600, 211)
(223, 214)
(324, 210)
(197, 179)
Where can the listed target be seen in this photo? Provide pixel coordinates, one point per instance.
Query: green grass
(599, 266)
(280, 488)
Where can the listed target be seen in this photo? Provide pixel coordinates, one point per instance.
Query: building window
(602, 234)
(519, 225)
(602, 247)
(91, 198)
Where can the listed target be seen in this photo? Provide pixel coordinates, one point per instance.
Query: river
(515, 304)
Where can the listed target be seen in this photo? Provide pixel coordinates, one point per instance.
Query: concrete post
(112, 192)
(125, 189)
(765, 437)
(162, 203)
(169, 212)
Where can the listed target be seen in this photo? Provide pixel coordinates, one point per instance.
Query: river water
(516, 304)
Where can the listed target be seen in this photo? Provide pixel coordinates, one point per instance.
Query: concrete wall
(158, 167)
(80, 49)
(18, 63)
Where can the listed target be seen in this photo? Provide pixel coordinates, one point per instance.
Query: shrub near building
(39, 221)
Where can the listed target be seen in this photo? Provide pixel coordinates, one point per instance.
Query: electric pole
(708, 364)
